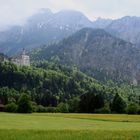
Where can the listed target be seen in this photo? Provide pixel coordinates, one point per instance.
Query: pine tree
(24, 104)
(118, 105)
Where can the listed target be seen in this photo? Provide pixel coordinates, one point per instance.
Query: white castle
(22, 60)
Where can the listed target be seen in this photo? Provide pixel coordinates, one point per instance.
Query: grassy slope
(68, 127)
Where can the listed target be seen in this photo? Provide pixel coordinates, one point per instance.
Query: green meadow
(47, 126)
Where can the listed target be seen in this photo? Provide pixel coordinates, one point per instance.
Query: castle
(22, 60)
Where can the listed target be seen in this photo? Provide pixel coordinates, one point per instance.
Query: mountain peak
(41, 16)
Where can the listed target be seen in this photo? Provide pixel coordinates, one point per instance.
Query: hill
(97, 53)
(47, 83)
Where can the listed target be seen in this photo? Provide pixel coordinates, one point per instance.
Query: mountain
(102, 23)
(127, 28)
(97, 53)
(46, 27)
(42, 28)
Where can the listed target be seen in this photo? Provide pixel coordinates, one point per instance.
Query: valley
(67, 73)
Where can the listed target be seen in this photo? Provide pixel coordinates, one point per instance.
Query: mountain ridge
(96, 52)
(45, 27)
(42, 28)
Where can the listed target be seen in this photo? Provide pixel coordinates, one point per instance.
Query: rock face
(42, 28)
(97, 53)
(127, 28)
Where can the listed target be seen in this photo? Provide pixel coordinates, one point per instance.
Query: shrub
(51, 109)
(40, 109)
(133, 108)
(34, 106)
(74, 105)
(63, 108)
(118, 105)
(104, 110)
(24, 104)
(12, 107)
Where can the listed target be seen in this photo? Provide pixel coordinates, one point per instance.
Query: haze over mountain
(96, 53)
(42, 28)
(101, 23)
(127, 28)
(46, 27)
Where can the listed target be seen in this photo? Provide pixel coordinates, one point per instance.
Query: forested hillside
(54, 85)
(96, 53)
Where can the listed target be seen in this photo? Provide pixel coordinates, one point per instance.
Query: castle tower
(25, 59)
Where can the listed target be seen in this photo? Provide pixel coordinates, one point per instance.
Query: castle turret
(25, 59)
(22, 60)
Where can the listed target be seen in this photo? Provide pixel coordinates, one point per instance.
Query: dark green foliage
(34, 106)
(51, 109)
(63, 108)
(89, 102)
(12, 107)
(118, 104)
(49, 99)
(48, 84)
(40, 109)
(133, 108)
(24, 104)
(8, 95)
(74, 104)
(103, 110)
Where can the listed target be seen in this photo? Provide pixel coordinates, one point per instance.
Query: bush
(40, 109)
(133, 108)
(118, 105)
(74, 105)
(104, 110)
(12, 107)
(63, 108)
(24, 104)
(34, 106)
(51, 109)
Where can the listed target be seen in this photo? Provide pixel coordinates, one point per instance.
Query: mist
(15, 12)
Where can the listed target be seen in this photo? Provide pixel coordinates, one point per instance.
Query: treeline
(55, 88)
(86, 103)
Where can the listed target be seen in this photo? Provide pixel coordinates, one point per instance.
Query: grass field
(69, 127)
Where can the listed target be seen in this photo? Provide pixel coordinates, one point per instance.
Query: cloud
(16, 11)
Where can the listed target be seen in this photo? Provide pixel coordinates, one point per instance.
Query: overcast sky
(16, 11)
